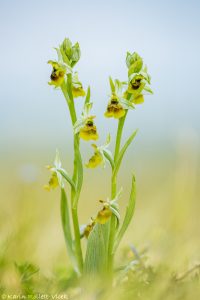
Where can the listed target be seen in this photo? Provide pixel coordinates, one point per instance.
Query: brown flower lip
(135, 85)
(53, 75)
(90, 123)
(114, 101)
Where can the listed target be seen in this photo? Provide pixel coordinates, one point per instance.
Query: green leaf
(128, 215)
(112, 86)
(87, 98)
(79, 171)
(97, 250)
(64, 209)
(122, 152)
(66, 176)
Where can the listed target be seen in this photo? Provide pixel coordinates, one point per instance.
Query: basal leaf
(97, 250)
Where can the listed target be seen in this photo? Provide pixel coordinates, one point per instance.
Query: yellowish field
(165, 229)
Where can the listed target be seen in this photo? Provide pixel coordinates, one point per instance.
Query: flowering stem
(114, 191)
(119, 135)
(77, 178)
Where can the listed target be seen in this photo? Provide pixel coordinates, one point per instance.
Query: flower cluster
(68, 56)
(139, 80)
(124, 95)
(117, 104)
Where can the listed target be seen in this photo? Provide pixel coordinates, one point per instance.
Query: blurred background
(34, 121)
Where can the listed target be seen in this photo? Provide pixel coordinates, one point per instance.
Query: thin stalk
(119, 135)
(75, 194)
(114, 192)
(77, 239)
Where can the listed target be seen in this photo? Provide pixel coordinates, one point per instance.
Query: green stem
(119, 135)
(76, 176)
(77, 239)
(114, 192)
(117, 150)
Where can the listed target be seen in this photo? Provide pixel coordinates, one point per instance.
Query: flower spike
(139, 79)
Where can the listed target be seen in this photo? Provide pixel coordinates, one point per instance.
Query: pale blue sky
(165, 33)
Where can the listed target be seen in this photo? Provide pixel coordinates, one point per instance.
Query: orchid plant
(106, 228)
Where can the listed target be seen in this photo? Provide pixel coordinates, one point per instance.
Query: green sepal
(148, 89)
(128, 215)
(76, 54)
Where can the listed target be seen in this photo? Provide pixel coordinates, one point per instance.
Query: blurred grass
(165, 227)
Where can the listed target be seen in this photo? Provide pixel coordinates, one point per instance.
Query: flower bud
(134, 62)
(70, 53)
